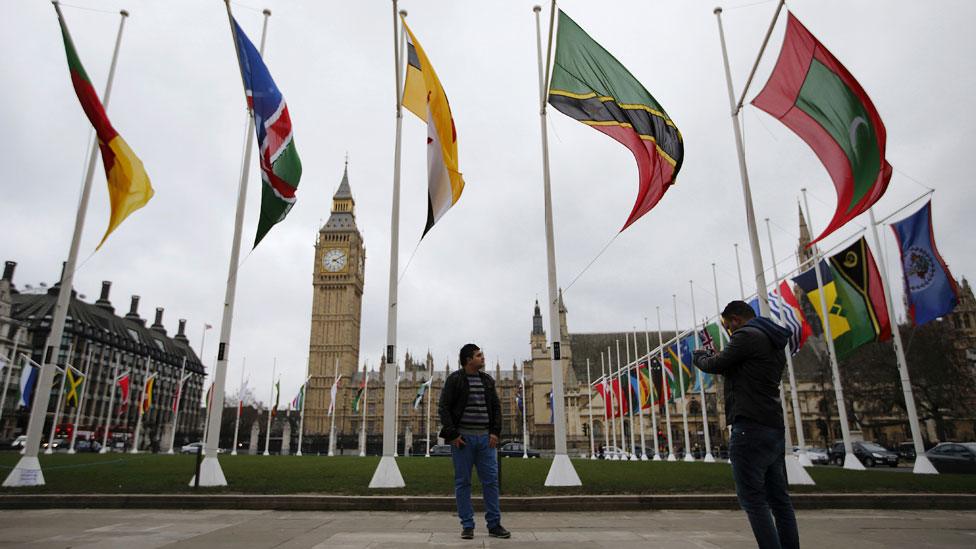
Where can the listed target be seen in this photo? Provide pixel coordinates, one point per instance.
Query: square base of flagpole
(688, 458)
(170, 452)
(104, 450)
(26, 473)
(633, 457)
(298, 453)
(615, 458)
(644, 457)
(924, 467)
(804, 458)
(594, 456)
(657, 457)
(562, 472)
(48, 451)
(672, 458)
(71, 451)
(709, 458)
(796, 474)
(210, 473)
(387, 474)
(852, 463)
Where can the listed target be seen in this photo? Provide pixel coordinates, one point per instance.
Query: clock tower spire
(337, 295)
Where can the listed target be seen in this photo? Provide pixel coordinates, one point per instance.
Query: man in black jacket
(752, 364)
(471, 422)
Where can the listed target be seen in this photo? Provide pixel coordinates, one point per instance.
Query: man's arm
(449, 431)
(725, 362)
(495, 417)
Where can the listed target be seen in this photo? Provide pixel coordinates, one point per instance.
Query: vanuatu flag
(813, 94)
(590, 85)
(281, 169)
(859, 283)
(128, 185)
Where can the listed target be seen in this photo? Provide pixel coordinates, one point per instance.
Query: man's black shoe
(499, 532)
(467, 533)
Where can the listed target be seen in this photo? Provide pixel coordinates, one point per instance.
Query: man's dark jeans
(759, 469)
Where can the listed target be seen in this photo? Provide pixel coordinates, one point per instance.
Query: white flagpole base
(657, 457)
(72, 451)
(796, 474)
(362, 454)
(709, 458)
(48, 451)
(104, 450)
(427, 455)
(804, 459)
(615, 458)
(633, 457)
(594, 456)
(688, 458)
(672, 458)
(525, 456)
(134, 451)
(644, 458)
(210, 473)
(331, 453)
(562, 472)
(26, 473)
(170, 451)
(233, 452)
(387, 474)
(852, 463)
(298, 453)
(266, 453)
(924, 467)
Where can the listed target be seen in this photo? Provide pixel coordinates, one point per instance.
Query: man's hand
(458, 442)
(492, 441)
(699, 354)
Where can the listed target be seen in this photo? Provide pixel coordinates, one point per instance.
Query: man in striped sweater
(470, 415)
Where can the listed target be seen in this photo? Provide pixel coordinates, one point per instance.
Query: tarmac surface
(137, 529)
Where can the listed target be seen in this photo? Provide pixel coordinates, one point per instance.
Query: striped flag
(281, 169)
(421, 391)
(147, 393)
(333, 393)
(28, 378)
(424, 96)
(789, 315)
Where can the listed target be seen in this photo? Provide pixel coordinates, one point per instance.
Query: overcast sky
(177, 100)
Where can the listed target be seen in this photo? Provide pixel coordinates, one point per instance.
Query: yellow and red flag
(128, 184)
(147, 393)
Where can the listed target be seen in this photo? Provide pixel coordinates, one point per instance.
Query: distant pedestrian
(752, 364)
(471, 422)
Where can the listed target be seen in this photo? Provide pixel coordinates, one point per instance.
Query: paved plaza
(136, 529)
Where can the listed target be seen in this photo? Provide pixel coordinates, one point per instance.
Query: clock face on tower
(334, 260)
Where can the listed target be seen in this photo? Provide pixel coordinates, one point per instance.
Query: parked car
(19, 442)
(906, 450)
(817, 456)
(87, 446)
(440, 450)
(514, 449)
(868, 453)
(58, 443)
(954, 457)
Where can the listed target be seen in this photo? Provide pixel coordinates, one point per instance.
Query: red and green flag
(128, 184)
(812, 93)
(589, 84)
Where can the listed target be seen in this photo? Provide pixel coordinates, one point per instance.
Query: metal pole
(850, 461)
(11, 362)
(709, 458)
(81, 402)
(640, 405)
(620, 401)
(769, 32)
(237, 413)
(738, 268)
(681, 382)
(430, 388)
(271, 410)
(664, 386)
(922, 464)
(301, 418)
(142, 400)
(650, 376)
(562, 472)
(111, 404)
(335, 409)
(525, 431)
(365, 401)
(608, 395)
(57, 407)
(176, 412)
(630, 390)
(589, 408)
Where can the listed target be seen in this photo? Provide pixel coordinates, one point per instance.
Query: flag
(552, 408)
(281, 169)
(357, 401)
(847, 330)
(930, 288)
(333, 393)
(28, 378)
(72, 383)
(123, 384)
(640, 383)
(274, 409)
(660, 394)
(128, 184)
(859, 283)
(589, 85)
(147, 393)
(424, 96)
(210, 393)
(619, 395)
(603, 388)
(176, 396)
(417, 400)
(296, 403)
(789, 315)
(685, 345)
(812, 93)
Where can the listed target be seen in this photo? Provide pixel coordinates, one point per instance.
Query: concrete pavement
(143, 529)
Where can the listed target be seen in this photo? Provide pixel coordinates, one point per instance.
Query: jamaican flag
(590, 85)
(812, 93)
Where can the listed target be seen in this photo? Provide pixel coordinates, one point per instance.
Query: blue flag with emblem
(930, 288)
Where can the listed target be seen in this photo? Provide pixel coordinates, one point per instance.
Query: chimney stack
(103, 301)
(158, 323)
(133, 313)
(181, 332)
(8, 271)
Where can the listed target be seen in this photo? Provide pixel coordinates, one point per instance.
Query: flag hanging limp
(128, 184)
(930, 288)
(424, 96)
(28, 378)
(281, 169)
(812, 93)
(72, 383)
(589, 84)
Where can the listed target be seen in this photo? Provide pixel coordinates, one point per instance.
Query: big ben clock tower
(337, 297)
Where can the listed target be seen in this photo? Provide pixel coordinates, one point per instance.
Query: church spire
(537, 320)
(804, 254)
(343, 215)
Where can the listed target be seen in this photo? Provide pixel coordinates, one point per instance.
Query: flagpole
(301, 418)
(271, 411)
(650, 378)
(396, 417)
(365, 402)
(665, 386)
(755, 65)
(240, 401)
(81, 402)
(620, 401)
(794, 395)
(430, 385)
(11, 362)
(525, 431)
(681, 381)
(738, 268)
(176, 411)
(145, 385)
(387, 474)
(589, 407)
(209, 400)
(57, 407)
(722, 336)
(850, 461)
(640, 405)
(561, 473)
(630, 392)
(608, 395)
(709, 458)
(111, 404)
(922, 464)
(333, 409)
(211, 473)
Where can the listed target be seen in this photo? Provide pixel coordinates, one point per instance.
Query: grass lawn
(159, 474)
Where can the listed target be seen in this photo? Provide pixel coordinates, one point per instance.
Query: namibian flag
(128, 185)
(813, 94)
(281, 168)
(590, 85)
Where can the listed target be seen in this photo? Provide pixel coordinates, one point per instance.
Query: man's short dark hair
(467, 353)
(738, 308)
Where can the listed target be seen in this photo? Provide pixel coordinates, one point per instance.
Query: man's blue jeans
(759, 469)
(475, 452)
